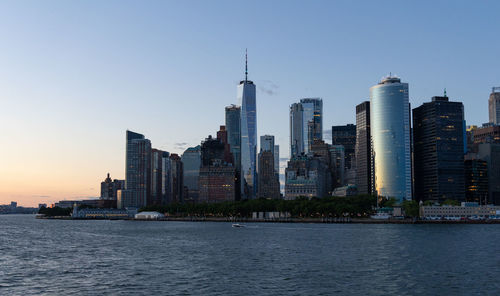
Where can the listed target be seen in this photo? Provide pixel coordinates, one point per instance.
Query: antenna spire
(445, 92)
(246, 64)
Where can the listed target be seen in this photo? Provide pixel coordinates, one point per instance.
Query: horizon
(75, 76)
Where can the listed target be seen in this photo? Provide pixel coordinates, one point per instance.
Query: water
(58, 257)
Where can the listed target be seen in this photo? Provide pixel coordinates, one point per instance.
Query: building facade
(390, 133)
(438, 141)
(138, 169)
(364, 167)
(494, 106)
(269, 186)
(345, 135)
(176, 179)
(476, 181)
(490, 153)
(248, 123)
(191, 161)
(296, 130)
(305, 176)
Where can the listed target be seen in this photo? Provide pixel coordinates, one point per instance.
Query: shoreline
(292, 220)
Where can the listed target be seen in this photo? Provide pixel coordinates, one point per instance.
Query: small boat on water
(238, 225)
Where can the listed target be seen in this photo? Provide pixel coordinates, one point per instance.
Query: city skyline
(65, 119)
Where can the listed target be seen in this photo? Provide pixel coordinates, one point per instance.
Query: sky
(75, 75)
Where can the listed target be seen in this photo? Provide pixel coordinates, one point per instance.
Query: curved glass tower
(390, 132)
(248, 150)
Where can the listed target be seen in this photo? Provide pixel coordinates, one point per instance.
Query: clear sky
(74, 75)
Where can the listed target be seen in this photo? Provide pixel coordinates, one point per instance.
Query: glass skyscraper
(233, 118)
(494, 105)
(306, 125)
(248, 123)
(191, 160)
(390, 131)
(137, 170)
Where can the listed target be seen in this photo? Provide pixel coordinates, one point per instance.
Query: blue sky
(74, 75)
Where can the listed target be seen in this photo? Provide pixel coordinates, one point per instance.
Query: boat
(238, 225)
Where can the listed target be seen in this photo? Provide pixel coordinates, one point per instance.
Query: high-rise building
(248, 123)
(476, 180)
(269, 186)
(494, 105)
(296, 130)
(345, 135)
(277, 160)
(390, 132)
(490, 153)
(217, 180)
(337, 158)
(364, 171)
(137, 170)
(488, 133)
(191, 161)
(157, 196)
(176, 178)
(233, 117)
(166, 178)
(438, 150)
(306, 125)
(321, 151)
(267, 143)
(110, 187)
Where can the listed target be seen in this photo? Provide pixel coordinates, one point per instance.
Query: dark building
(110, 187)
(191, 160)
(321, 151)
(363, 150)
(476, 181)
(269, 186)
(176, 178)
(438, 134)
(490, 153)
(137, 170)
(217, 173)
(157, 196)
(345, 135)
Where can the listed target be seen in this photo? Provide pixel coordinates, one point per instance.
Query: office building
(345, 135)
(306, 124)
(438, 141)
(176, 179)
(363, 149)
(248, 124)
(233, 117)
(305, 176)
(476, 181)
(277, 160)
(191, 161)
(488, 133)
(217, 177)
(390, 133)
(490, 153)
(137, 170)
(110, 187)
(296, 130)
(269, 186)
(494, 106)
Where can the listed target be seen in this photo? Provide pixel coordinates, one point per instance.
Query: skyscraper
(156, 196)
(267, 143)
(277, 160)
(312, 121)
(390, 131)
(176, 178)
(248, 123)
(233, 128)
(296, 130)
(364, 172)
(191, 161)
(494, 105)
(345, 135)
(137, 170)
(269, 186)
(306, 125)
(438, 141)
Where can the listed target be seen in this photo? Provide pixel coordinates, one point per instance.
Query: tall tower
(248, 123)
(390, 131)
(494, 105)
(438, 142)
(363, 149)
(296, 133)
(312, 121)
(137, 169)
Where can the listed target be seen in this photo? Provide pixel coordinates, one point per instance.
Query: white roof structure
(149, 215)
